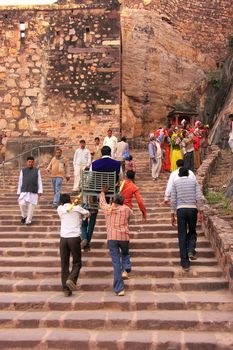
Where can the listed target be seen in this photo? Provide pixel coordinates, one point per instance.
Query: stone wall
(63, 78)
(218, 231)
(60, 76)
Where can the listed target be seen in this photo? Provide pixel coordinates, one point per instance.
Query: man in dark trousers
(29, 189)
(71, 218)
(186, 197)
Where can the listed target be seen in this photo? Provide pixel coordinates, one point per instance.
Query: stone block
(26, 102)
(29, 111)
(15, 101)
(8, 113)
(24, 84)
(15, 113)
(23, 124)
(11, 83)
(32, 92)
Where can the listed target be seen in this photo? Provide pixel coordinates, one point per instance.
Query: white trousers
(155, 168)
(77, 176)
(27, 210)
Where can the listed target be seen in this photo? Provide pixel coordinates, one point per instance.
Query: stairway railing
(34, 150)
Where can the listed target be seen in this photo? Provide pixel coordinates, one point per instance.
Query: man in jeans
(70, 242)
(117, 217)
(185, 198)
(58, 169)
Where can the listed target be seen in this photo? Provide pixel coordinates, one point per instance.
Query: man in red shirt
(117, 221)
(128, 189)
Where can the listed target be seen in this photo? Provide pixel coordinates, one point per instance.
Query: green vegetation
(219, 198)
(214, 78)
(231, 42)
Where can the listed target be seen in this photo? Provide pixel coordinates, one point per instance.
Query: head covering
(197, 124)
(151, 135)
(183, 122)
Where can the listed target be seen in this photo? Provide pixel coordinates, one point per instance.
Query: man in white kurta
(111, 141)
(29, 189)
(82, 160)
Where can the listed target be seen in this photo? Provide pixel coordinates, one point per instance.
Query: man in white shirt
(82, 160)
(70, 242)
(111, 141)
(29, 189)
(175, 175)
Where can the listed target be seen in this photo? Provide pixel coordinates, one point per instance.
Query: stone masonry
(60, 70)
(60, 65)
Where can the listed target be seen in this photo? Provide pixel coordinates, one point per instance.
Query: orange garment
(117, 220)
(166, 164)
(128, 191)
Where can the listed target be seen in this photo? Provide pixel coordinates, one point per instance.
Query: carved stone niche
(30, 147)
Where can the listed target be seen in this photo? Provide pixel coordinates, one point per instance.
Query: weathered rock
(3, 124)
(11, 83)
(160, 70)
(23, 124)
(24, 84)
(26, 102)
(15, 101)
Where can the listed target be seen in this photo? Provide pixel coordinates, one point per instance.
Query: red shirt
(128, 191)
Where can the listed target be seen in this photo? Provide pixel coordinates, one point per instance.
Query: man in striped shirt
(117, 221)
(186, 197)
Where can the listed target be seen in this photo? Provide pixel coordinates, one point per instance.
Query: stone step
(52, 213)
(164, 307)
(98, 228)
(27, 272)
(167, 243)
(101, 319)
(133, 301)
(144, 253)
(57, 338)
(105, 284)
(101, 235)
(89, 259)
(100, 222)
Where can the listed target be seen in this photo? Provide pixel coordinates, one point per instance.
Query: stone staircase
(164, 308)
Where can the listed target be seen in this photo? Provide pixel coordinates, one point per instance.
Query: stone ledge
(218, 231)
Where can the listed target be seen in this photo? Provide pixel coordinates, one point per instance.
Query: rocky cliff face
(220, 104)
(160, 70)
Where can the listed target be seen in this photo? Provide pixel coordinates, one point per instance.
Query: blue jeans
(186, 222)
(88, 226)
(56, 182)
(119, 252)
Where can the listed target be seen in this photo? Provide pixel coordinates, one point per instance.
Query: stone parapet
(218, 231)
